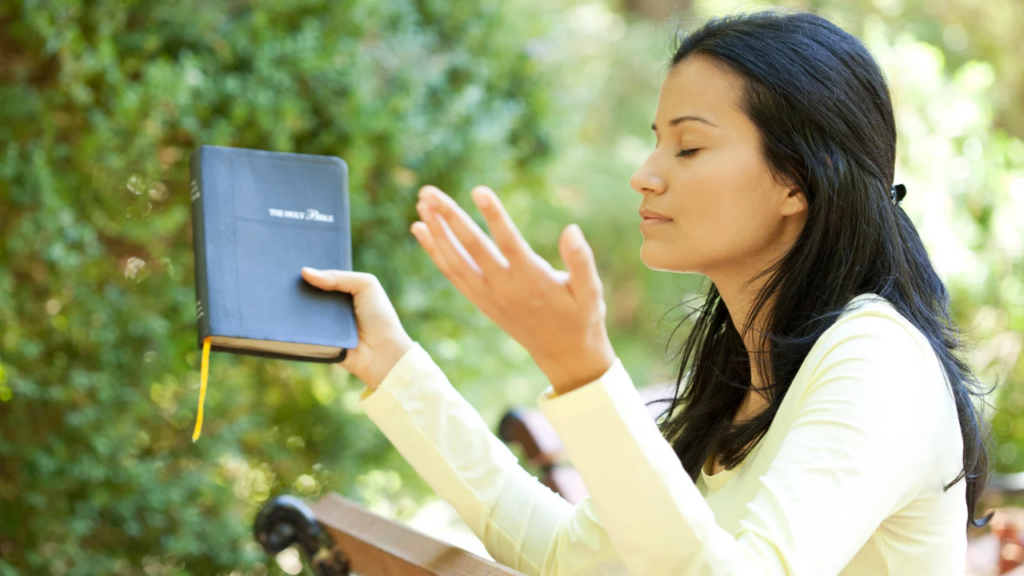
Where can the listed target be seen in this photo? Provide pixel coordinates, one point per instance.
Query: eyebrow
(674, 122)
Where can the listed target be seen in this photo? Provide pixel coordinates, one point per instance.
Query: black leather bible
(258, 217)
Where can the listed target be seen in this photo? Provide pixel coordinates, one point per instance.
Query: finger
(584, 281)
(455, 257)
(339, 280)
(477, 244)
(505, 233)
(422, 233)
(426, 240)
(449, 255)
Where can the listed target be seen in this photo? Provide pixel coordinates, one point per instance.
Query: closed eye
(687, 152)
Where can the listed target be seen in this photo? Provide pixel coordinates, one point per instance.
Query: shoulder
(871, 326)
(875, 345)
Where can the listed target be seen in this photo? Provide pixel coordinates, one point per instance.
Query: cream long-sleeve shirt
(848, 479)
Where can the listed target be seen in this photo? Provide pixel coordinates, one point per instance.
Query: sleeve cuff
(401, 375)
(561, 407)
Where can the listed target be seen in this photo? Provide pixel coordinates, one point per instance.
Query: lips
(647, 213)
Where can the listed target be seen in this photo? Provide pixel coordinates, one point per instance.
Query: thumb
(584, 282)
(339, 280)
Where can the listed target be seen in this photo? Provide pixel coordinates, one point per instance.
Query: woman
(826, 426)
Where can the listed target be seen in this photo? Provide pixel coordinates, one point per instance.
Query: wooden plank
(540, 443)
(532, 431)
(566, 482)
(378, 546)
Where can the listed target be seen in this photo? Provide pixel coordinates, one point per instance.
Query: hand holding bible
(382, 339)
(558, 316)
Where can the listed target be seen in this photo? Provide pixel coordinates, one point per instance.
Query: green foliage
(548, 103)
(100, 105)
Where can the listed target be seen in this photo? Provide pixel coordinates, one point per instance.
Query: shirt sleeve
(855, 453)
(521, 522)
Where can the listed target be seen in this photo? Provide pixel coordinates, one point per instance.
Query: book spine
(199, 247)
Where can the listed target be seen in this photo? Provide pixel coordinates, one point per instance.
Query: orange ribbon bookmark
(203, 371)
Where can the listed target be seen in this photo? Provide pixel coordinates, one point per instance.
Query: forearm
(521, 522)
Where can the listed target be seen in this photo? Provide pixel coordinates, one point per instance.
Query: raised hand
(557, 316)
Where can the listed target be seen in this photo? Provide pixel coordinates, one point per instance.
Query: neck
(738, 296)
(739, 300)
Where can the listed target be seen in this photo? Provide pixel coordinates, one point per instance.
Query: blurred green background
(548, 102)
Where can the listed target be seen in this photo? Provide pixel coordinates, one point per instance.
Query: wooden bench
(338, 536)
(530, 430)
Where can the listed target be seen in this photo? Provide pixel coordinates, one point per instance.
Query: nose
(646, 180)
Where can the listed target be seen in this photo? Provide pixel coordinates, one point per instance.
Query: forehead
(698, 86)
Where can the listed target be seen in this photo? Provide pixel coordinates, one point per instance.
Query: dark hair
(825, 117)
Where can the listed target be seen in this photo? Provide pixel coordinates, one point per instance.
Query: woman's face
(727, 214)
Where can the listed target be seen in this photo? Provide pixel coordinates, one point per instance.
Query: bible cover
(258, 217)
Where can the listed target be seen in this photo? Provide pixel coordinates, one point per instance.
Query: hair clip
(897, 193)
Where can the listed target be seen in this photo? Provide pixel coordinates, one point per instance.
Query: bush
(101, 104)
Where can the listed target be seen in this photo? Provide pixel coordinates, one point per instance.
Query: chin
(656, 261)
